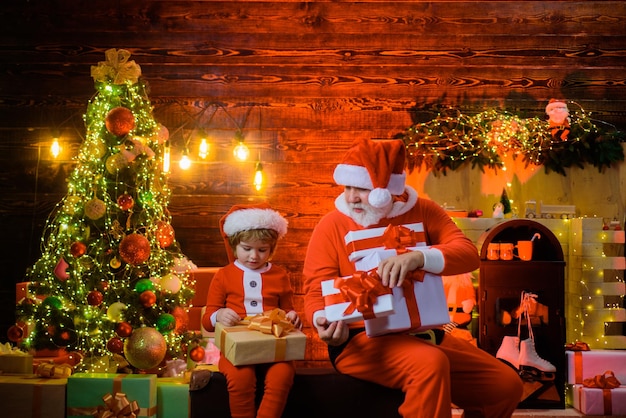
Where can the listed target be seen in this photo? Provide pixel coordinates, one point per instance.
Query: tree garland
(453, 140)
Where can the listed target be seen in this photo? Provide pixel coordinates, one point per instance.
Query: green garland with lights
(453, 140)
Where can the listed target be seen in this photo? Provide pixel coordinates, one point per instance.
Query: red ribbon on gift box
(399, 238)
(606, 382)
(361, 290)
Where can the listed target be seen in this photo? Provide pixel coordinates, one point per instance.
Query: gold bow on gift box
(116, 69)
(273, 322)
(117, 406)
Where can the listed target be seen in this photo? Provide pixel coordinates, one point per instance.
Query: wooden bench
(316, 393)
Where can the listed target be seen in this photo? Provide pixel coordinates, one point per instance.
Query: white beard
(370, 215)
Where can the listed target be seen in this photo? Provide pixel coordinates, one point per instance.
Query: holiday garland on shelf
(453, 139)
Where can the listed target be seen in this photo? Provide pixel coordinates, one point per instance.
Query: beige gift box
(241, 345)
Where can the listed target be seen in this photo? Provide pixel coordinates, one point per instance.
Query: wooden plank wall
(301, 80)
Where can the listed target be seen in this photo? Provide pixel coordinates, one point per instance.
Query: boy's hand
(228, 317)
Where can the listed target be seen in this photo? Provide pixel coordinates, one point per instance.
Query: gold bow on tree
(116, 69)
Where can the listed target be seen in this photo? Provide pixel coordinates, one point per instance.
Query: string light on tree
(110, 232)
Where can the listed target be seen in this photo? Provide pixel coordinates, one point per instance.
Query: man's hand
(394, 270)
(332, 333)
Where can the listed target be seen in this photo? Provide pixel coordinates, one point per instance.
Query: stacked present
(112, 395)
(265, 338)
(14, 361)
(597, 381)
(30, 395)
(419, 304)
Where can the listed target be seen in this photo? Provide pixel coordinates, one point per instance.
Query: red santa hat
(374, 165)
(553, 103)
(247, 217)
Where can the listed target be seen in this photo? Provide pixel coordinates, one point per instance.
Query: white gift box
(418, 305)
(595, 401)
(342, 308)
(366, 241)
(583, 365)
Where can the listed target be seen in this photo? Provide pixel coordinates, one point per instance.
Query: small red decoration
(164, 234)
(60, 271)
(94, 298)
(147, 298)
(123, 329)
(78, 249)
(120, 121)
(182, 319)
(115, 345)
(15, 333)
(197, 353)
(134, 249)
(125, 202)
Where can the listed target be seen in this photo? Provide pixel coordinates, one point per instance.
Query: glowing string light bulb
(166, 158)
(55, 148)
(258, 176)
(241, 151)
(185, 161)
(203, 151)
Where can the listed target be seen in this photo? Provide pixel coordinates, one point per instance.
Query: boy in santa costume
(432, 375)
(247, 286)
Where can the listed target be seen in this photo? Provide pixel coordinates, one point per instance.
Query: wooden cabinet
(501, 283)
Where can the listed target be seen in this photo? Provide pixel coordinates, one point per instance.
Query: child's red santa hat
(247, 217)
(374, 165)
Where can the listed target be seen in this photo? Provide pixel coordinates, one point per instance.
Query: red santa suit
(431, 376)
(247, 292)
(250, 292)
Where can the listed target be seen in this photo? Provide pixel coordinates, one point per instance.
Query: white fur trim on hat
(247, 219)
(357, 176)
(555, 103)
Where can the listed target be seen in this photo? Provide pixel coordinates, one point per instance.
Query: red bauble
(125, 201)
(182, 319)
(164, 234)
(115, 345)
(15, 333)
(147, 298)
(197, 353)
(123, 329)
(120, 121)
(94, 298)
(78, 249)
(134, 249)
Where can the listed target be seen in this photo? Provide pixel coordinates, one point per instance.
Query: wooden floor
(552, 413)
(543, 413)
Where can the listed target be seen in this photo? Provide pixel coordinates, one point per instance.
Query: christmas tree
(112, 278)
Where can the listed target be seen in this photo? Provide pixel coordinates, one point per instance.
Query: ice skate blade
(532, 374)
(508, 363)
